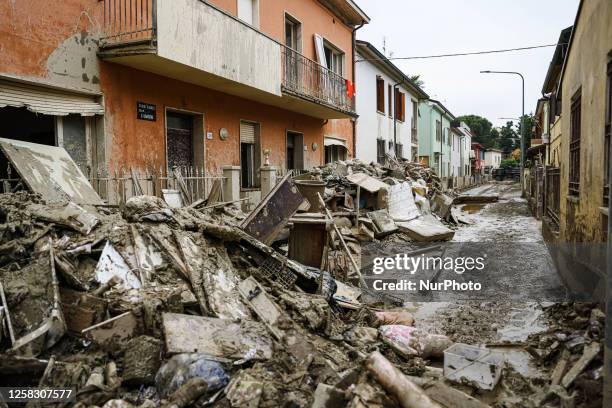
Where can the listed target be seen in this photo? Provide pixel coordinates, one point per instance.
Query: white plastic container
(473, 365)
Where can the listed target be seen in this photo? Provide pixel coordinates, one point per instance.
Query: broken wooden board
(212, 277)
(69, 215)
(50, 171)
(383, 223)
(401, 203)
(265, 308)
(476, 199)
(368, 183)
(218, 339)
(426, 229)
(590, 352)
(273, 211)
(113, 331)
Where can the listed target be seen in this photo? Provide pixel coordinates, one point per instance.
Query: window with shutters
(574, 147)
(380, 94)
(380, 151)
(390, 100)
(608, 134)
(250, 155)
(400, 105)
(438, 130)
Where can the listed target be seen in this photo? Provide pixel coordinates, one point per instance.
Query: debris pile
(572, 349)
(149, 305)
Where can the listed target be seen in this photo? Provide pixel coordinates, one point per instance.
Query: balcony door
(293, 40)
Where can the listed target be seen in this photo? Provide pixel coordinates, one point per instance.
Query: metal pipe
(354, 76)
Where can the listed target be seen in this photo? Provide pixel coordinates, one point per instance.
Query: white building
(455, 152)
(387, 104)
(492, 159)
(462, 160)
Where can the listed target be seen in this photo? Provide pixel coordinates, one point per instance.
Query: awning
(330, 141)
(47, 101)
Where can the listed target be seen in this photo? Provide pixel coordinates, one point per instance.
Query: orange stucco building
(162, 83)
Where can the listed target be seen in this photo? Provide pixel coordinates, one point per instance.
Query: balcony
(305, 78)
(193, 41)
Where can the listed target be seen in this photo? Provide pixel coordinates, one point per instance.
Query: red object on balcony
(350, 89)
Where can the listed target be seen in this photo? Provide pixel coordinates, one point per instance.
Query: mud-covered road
(507, 224)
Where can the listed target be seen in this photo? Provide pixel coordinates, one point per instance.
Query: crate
(473, 365)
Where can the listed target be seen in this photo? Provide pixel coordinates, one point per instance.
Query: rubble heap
(146, 305)
(572, 349)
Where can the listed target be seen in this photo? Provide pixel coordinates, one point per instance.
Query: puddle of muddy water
(472, 208)
(523, 321)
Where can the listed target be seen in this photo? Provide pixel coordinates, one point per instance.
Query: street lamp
(522, 114)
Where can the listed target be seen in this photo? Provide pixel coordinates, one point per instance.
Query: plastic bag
(183, 367)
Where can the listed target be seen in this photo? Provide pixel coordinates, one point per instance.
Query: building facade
(187, 83)
(492, 159)
(477, 162)
(581, 115)
(386, 102)
(435, 137)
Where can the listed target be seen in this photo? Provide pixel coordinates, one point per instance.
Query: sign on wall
(145, 111)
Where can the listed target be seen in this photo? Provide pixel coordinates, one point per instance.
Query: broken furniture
(308, 239)
(271, 215)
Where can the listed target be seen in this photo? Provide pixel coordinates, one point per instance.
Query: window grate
(574, 147)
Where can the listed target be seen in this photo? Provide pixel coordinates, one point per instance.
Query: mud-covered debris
(142, 359)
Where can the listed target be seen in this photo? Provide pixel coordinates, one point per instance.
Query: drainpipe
(354, 46)
(394, 117)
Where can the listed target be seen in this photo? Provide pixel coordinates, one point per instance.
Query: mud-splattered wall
(582, 218)
(52, 41)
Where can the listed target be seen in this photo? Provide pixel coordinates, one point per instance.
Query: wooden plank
(265, 308)
(219, 339)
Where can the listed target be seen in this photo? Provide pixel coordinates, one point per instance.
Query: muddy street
(498, 324)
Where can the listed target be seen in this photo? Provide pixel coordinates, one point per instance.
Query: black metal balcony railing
(307, 78)
(129, 21)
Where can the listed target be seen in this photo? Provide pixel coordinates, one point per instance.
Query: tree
(481, 128)
(508, 137)
(417, 80)
(508, 163)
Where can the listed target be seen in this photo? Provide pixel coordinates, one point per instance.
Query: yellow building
(584, 94)
(585, 82)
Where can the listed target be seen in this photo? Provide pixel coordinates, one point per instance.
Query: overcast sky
(414, 28)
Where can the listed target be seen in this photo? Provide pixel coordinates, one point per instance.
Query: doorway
(295, 151)
(179, 140)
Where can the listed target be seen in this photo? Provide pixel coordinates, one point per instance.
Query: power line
(462, 54)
